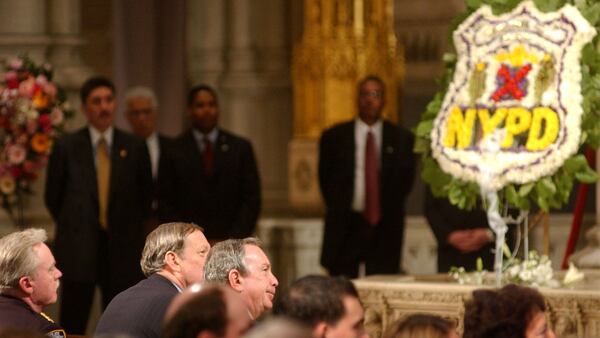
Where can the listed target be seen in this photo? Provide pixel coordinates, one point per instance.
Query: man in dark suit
(366, 170)
(142, 112)
(215, 178)
(173, 259)
(28, 282)
(462, 236)
(98, 190)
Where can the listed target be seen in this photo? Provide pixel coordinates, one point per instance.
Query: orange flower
(40, 100)
(7, 184)
(40, 143)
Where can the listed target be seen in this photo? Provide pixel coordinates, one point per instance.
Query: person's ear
(25, 285)
(319, 330)
(236, 280)
(172, 261)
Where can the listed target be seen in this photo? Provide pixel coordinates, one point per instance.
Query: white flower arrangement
(535, 272)
(517, 42)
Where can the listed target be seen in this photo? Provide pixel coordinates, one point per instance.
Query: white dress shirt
(199, 137)
(154, 151)
(360, 141)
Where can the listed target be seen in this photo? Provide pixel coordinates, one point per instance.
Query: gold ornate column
(342, 41)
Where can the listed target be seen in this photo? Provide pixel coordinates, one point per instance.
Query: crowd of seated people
(193, 290)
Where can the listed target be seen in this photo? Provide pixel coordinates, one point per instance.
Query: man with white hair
(173, 259)
(142, 112)
(242, 265)
(28, 282)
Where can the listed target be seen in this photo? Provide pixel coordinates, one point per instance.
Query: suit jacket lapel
(116, 152)
(220, 149)
(192, 153)
(388, 150)
(84, 155)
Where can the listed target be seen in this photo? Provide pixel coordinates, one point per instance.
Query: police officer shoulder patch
(60, 333)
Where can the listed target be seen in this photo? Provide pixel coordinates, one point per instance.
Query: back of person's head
(14, 332)
(92, 83)
(205, 312)
(313, 299)
(17, 256)
(205, 308)
(421, 326)
(166, 237)
(226, 256)
(279, 328)
(505, 312)
(112, 335)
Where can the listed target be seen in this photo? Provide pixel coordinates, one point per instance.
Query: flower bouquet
(33, 111)
(536, 271)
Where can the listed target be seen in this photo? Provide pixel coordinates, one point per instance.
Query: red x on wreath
(511, 83)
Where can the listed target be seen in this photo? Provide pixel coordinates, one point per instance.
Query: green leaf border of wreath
(548, 192)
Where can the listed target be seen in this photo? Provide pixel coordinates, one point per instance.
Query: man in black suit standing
(98, 190)
(366, 170)
(462, 236)
(142, 112)
(215, 178)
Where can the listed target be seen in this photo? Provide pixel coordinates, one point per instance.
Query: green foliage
(549, 5)
(551, 191)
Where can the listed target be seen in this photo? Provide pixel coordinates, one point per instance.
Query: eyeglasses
(376, 94)
(143, 111)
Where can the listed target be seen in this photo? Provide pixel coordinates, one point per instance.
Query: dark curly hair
(420, 325)
(505, 312)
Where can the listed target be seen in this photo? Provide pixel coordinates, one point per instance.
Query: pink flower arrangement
(33, 112)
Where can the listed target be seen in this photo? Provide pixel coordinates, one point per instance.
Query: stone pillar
(256, 92)
(23, 29)
(65, 29)
(206, 41)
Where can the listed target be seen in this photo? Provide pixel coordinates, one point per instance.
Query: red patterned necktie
(208, 156)
(372, 211)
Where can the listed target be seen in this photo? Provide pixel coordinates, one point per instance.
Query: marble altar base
(573, 312)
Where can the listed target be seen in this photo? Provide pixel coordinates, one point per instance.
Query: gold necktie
(103, 177)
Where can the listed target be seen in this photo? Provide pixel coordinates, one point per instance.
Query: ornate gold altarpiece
(342, 41)
(571, 312)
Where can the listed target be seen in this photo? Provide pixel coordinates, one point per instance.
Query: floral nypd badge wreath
(523, 98)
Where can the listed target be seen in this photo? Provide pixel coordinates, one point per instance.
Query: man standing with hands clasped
(215, 178)
(366, 170)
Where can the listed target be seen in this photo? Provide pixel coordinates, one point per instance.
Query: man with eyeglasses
(366, 170)
(142, 113)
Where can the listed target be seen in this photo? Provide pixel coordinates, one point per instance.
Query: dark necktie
(372, 210)
(208, 156)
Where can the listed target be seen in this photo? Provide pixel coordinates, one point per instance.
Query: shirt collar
(152, 137)
(95, 135)
(363, 127)
(212, 135)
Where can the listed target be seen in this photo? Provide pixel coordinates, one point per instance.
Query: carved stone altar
(573, 312)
